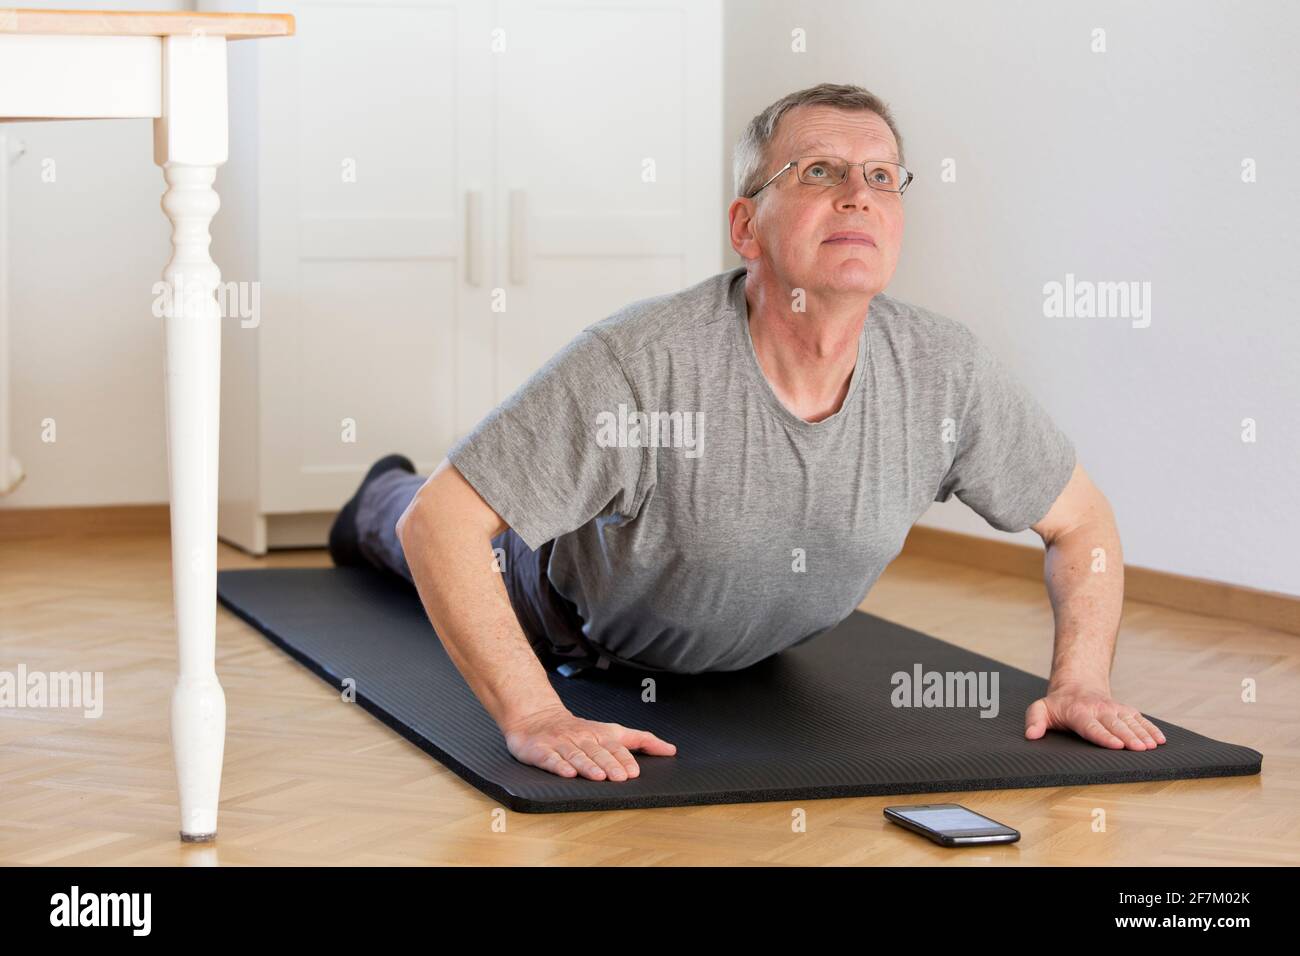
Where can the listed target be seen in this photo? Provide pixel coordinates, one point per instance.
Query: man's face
(793, 221)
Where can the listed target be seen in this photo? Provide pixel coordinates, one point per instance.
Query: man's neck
(808, 357)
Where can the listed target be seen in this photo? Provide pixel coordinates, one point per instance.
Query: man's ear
(741, 215)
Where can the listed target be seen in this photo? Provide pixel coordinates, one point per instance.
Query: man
(789, 424)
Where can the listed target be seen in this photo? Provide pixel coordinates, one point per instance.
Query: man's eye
(817, 168)
(883, 176)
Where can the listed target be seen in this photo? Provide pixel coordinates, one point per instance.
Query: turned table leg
(189, 145)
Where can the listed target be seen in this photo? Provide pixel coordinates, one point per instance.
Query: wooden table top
(147, 23)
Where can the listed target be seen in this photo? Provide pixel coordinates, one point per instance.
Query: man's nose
(854, 193)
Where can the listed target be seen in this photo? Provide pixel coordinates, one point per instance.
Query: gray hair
(751, 149)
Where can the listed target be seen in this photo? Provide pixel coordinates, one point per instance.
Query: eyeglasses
(831, 171)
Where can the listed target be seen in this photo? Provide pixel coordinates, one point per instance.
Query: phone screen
(948, 818)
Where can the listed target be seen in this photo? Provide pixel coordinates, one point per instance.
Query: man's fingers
(613, 742)
(1152, 729)
(1036, 719)
(584, 764)
(601, 759)
(557, 765)
(568, 746)
(1094, 731)
(613, 768)
(647, 742)
(622, 756)
(1109, 726)
(1124, 732)
(1135, 721)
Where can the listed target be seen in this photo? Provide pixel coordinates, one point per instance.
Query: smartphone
(951, 824)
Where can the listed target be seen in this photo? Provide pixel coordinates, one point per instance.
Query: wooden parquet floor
(309, 779)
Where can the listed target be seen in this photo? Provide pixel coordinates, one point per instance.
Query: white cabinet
(430, 205)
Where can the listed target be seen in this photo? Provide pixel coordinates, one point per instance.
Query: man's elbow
(411, 521)
(447, 505)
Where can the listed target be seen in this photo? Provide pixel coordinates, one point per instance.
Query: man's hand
(556, 740)
(1092, 714)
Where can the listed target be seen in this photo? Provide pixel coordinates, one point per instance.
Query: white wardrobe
(431, 198)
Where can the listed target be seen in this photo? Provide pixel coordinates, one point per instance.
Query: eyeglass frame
(902, 189)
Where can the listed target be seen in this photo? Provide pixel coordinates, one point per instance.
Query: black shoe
(343, 533)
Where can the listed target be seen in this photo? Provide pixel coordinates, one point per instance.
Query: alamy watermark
(242, 299)
(637, 429)
(75, 908)
(946, 689)
(37, 689)
(1084, 299)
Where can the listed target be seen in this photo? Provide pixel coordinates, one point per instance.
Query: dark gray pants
(551, 623)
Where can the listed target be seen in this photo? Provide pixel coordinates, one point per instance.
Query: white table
(94, 64)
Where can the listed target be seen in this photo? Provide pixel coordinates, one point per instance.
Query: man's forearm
(467, 604)
(1084, 571)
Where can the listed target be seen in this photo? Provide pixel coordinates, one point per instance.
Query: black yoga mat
(815, 721)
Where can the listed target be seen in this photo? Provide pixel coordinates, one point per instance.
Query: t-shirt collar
(739, 307)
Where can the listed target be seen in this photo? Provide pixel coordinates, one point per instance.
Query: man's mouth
(851, 239)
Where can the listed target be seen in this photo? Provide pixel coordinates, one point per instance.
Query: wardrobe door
(377, 142)
(609, 146)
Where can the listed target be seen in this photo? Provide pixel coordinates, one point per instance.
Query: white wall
(85, 348)
(1123, 166)
(1115, 166)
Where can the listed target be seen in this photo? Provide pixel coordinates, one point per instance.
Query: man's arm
(1086, 585)
(1084, 572)
(446, 534)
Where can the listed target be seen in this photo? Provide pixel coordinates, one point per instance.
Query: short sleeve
(535, 457)
(1011, 461)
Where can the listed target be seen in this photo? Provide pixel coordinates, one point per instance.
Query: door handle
(474, 236)
(518, 236)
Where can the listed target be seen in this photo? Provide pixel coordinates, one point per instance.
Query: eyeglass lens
(830, 171)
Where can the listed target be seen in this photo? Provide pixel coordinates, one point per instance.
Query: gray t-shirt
(736, 530)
